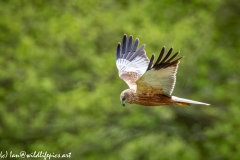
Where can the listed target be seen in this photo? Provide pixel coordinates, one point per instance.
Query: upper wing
(160, 78)
(131, 63)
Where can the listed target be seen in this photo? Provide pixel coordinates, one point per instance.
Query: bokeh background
(59, 86)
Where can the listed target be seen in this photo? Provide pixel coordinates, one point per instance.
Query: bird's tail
(186, 102)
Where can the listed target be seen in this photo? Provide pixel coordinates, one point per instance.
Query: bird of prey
(150, 84)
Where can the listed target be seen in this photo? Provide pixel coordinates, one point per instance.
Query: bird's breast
(151, 99)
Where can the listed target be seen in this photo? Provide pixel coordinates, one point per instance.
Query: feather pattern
(160, 78)
(129, 59)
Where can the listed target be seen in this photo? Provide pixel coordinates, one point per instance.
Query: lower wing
(159, 78)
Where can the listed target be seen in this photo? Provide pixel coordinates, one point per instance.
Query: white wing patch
(130, 72)
(138, 65)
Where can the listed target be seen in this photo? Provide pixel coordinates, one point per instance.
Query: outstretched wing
(160, 78)
(131, 63)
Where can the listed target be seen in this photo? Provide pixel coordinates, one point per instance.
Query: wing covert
(160, 78)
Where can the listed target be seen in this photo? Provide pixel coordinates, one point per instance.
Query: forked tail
(186, 102)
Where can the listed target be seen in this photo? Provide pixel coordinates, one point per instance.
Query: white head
(126, 96)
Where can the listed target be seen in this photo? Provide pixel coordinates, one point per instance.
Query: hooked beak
(123, 103)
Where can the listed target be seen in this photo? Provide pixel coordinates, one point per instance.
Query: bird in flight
(150, 84)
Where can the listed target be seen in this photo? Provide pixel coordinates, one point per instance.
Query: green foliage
(59, 87)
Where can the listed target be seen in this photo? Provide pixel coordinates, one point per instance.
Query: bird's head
(125, 96)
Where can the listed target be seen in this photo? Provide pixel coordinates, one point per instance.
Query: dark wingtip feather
(150, 63)
(160, 56)
(173, 57)
(135, 45)
(118, 51)
(168, 54)
(124, 43)
(169, 63)
(173, 62)
(129, 45)
(141, 48)
(165, 62)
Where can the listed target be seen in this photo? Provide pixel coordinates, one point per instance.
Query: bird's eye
(123, 98)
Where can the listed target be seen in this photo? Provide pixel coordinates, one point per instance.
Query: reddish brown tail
(182, 104)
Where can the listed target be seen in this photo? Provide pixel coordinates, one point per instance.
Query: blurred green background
(59, 85)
